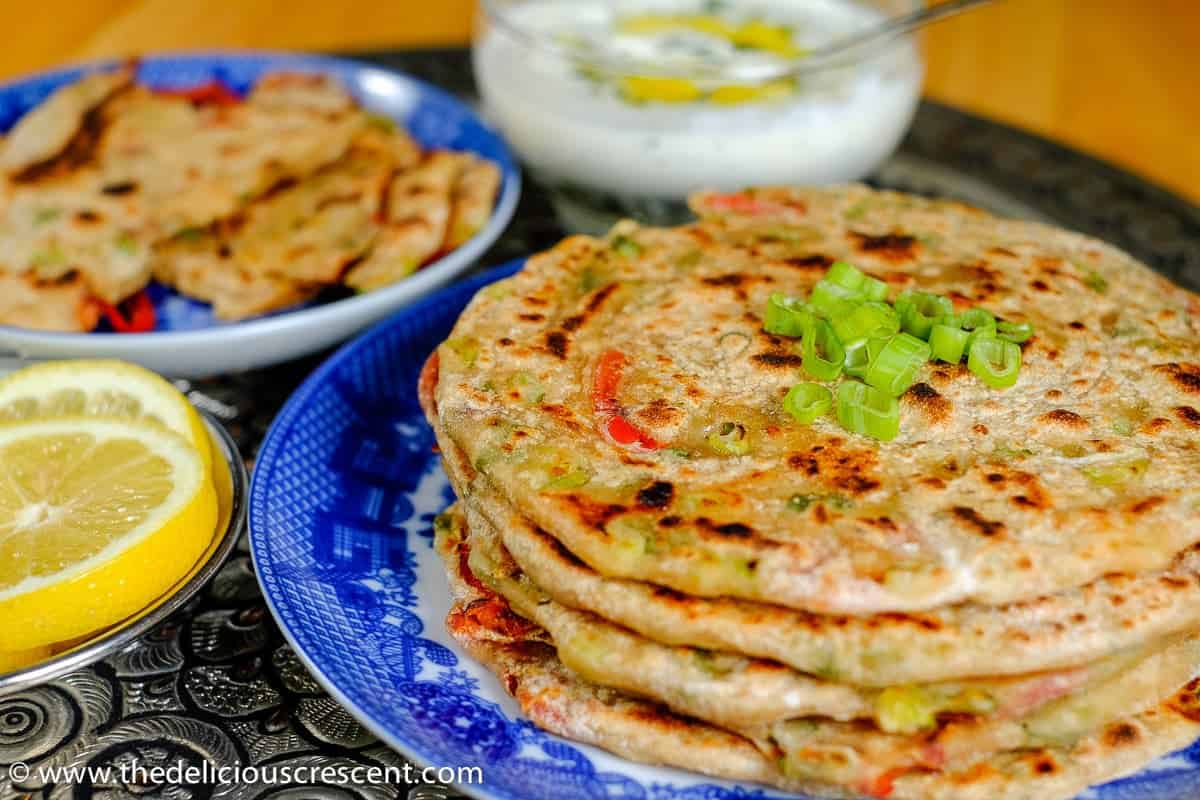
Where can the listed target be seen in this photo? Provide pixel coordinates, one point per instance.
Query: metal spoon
(893, 27)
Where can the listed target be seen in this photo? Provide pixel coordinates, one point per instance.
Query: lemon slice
(103, 389)
(98, 518)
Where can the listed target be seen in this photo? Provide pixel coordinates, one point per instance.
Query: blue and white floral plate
(341, 508)
(189, 341)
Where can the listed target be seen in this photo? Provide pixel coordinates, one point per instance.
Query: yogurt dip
(654, 99)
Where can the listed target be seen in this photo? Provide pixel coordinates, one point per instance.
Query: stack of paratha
(1003, 602)
(250, 204)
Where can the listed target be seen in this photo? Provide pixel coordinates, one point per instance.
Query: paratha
(201, 264)
(419, 209)
(1079, 626)
(1084, 468)
(555, 699)
(194, 164)
(64, 305)
(309, 232)
(752, 695)
(251, 204)
(49, 129)
(474, 194)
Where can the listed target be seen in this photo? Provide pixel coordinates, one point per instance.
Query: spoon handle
(896, 26)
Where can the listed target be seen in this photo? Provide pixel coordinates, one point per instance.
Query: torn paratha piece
(474, 196)
(48, 129)
(200, 265)
(195, 164)
(63, 305)
(311, 231)
(289, 91)
(419, 209)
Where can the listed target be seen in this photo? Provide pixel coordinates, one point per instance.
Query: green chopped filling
(465, 348)
(730, 439)
(1096, 282)
(802, 502)
(126, 244)
(905, 710)
(1116, 474)
(626, 247)
(44, 216)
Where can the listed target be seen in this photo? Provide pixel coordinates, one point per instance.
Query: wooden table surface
(1117, 78)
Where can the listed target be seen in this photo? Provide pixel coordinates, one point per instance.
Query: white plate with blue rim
(342, 504)
(188, 340)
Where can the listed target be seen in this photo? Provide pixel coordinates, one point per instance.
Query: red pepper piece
(608, 411)
(883, 785)
(211, 93)
(750, 205)
(137, 317)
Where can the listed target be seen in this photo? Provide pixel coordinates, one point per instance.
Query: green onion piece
(626, 247)
(866, 320)
(978, 322)
(126, 244)
(1096, 282)
(860, 354)
(996, 362)
(730, 439)
(807, 401)
(465, 347)
(1115, 473)
(528, 388)
(896, 367)
(823, 352)
(948, 343)
(1014, 331)
(573, 478)
(786, 316)
(874, 289)
(846, 276)
(867, 411)
(920, 310)
(828, 298)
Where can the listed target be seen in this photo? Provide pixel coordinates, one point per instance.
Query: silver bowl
(232, 524)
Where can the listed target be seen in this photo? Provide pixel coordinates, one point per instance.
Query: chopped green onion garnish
(860, 355)
(730, 439)
(823, 352)
(1014, 331)
(786, 316)
(948, 343)
(904, 301)
(867, 411)
(895, 369)
(864, 321)
(828, 297)
(807, 401)
(874, 289)
(979, 323)
(920, 310)
(995, 361)
(845, 275)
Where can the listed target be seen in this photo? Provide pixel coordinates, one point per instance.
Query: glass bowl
(624, 107)
(231, 482)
